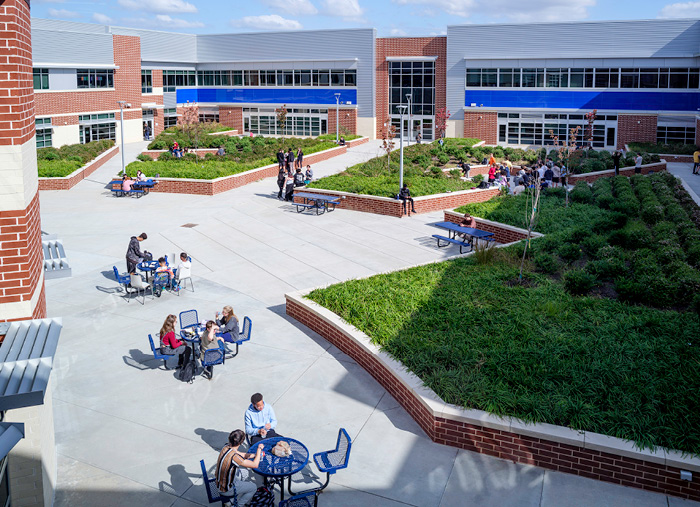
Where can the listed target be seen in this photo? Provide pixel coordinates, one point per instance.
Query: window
(43, 132)
(629, 78)
(146, 81)
(509, 78)
(94, 127)
(557, 78)
(207, 117)
(173, 79)
(95, 78)
(169, 117)
(417, 79)
(41, 79)
(675, 135)
(533, 78)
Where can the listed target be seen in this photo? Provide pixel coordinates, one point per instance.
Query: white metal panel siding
(589, 41)
(63, 79)
(169, 100)
(322, 45)
(72, 48)
(168, 66)
(163, 46)
(68, 26)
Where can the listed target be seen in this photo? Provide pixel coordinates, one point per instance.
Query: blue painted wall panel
(587, 100)
(321, 97)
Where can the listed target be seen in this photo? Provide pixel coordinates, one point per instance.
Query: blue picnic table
(320, 202)
(469, 235)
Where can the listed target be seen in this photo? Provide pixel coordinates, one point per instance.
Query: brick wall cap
(447, 194)
(107, 153)
(547, 431)
(612, 171)
(496, 224)
(613, 445)
(680, 460)
(476, 417)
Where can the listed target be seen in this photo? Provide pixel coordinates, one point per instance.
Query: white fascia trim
(290, 60)
(75, 65)
(271, 104)
(411, 58)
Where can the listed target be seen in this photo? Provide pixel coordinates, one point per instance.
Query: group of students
(287, 180)
(223, 328)
(128, 181)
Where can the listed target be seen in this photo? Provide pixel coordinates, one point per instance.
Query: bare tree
(565, 149)
(532, 213)
(388, 143)
(190, 123)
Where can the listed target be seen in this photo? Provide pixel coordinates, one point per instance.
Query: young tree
(532, 213)
(190, 123)
(441, 117)
(590, 120)
(565, 149)
(282, 117)
(388, 143)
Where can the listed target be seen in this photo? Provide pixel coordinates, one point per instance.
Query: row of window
(557, 116)
(95, 78)
(326, 77)
(289, 111)
(294, 125)
(412, 82)
(678, 78)
(44, 132)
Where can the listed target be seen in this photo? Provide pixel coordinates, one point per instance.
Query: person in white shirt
(184, 269)
(557, 173)
(638, 164)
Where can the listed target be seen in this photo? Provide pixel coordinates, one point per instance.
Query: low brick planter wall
(394, 207)
(357, 142)
(68, 182)
(544, 445)
(219, 185)
(609, 173)
(685, 159)
(503, 233)
(154, 154)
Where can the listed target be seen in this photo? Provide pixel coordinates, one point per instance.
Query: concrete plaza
(129, 433)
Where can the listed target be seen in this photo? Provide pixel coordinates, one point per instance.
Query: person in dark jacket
(133, 253)
(298, 178)
(281, 177)
(280, 158)
(405, 195)
(290, 162)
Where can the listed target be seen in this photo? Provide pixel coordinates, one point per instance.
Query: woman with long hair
(169, 344)
(229, 465)
(228, 324)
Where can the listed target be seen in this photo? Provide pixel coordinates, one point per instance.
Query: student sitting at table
(298, 178)
(289, 188)
(208, 341)
(140, 176)
(260, 420)
(184, 270)
(228, 474)
(169, 344)
(164, 268)
(228, 323)
(127, 182)
(467, 221)
(309, 175)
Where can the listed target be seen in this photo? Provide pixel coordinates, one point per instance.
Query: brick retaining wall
(685, 159)
(68, 182)
(219, 185)
(627, 171)
(502, 233)
(357, 142)
(553, 447)
(394, 207)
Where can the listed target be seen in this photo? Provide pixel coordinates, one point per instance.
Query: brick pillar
(21, 255)
(697, 130)
(481, 125)
(232, 117)
(347, 117)
(636, 128)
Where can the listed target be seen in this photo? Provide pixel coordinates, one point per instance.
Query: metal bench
(461, 243)
(55, 260)
(213, 493)
(157, 354)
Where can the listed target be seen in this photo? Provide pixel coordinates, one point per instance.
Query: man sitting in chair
(260, 420)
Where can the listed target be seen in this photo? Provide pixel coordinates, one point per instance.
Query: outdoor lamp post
(337, 117)
(122, 105)
(402, 109)
(410, 123)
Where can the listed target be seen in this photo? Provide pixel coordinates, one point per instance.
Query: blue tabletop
(147, 265)
(477, 233)
(272, 466)
(318, 197)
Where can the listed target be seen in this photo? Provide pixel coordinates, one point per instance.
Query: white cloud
(101, 18)
(681, 10)
(455, 7)
(169, 22)
(267, 22)
(349, 10)
(295, 7)
(64, 14)
(397, 32)
(159, 6)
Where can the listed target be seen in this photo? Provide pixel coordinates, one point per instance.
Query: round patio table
(275, 469)
(148, 267)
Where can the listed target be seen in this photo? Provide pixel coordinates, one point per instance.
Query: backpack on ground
(186, 373)
(263, 497)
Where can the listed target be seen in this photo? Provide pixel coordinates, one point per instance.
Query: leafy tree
(441, 117)
(282, 118)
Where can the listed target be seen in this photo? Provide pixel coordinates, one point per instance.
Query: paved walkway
(692, 182)
(128, 433)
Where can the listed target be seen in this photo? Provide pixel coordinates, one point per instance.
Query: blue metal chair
(243, 337)
(212, 357)
(160, 281)
(332, 461)
(122, 279)
(301, 500)
(189, 318)
(157, 354)
(213, 491)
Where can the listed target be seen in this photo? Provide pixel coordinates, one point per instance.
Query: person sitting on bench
(405, 195)
(127, 182)
(309, 175)
(467, 221)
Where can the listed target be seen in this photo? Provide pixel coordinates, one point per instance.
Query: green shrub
(144, 158)
(666, 149)
(633, 235)
(477, 179)
(581, 193)
(455, 173)
(593, 243)
(443, 159)
(569, 251)
(579, 282)
(609, 268)
(546, 263)
(60, 162)
(592, 165)
(436, 172)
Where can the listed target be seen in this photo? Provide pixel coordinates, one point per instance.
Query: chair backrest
(153, 347)
(188, 318)
(210, 485)
(247, 328)
(185, 272)
(161, 279)
(213, 356)
(137, 282)
(343, 447)
(116, 275)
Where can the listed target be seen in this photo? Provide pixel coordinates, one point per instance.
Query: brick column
(697, 130)
(481, 125)
(231, 117)
(347, 117)
(636, 128)
(21, 255)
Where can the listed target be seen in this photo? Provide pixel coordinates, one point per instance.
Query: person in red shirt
(492, 174)
(169, 344)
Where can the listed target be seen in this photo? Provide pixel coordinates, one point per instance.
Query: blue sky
(389, 17)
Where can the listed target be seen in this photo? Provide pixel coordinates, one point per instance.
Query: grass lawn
(60, 162)
(617, 356)
(242, 154)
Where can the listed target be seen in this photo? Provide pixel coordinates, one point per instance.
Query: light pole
(410, 126)
(401, 109)
(337, 117)
(122, 105)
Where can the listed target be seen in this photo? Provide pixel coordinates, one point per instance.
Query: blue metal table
(148, 267)
(317, 201)
(468, 232)
(275, 469)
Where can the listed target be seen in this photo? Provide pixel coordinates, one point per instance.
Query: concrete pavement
(128, 432)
